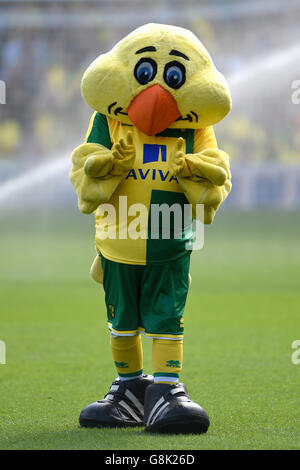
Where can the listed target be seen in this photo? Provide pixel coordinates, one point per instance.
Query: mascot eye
(174, 74)
(145, 70)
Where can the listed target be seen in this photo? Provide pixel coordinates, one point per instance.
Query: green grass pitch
(241, 318)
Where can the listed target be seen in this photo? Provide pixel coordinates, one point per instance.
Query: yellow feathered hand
(204, 177)
(97, 171)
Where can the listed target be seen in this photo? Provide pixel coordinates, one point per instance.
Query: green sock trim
(132, 374)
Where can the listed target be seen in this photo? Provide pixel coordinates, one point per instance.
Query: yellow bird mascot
(150, 158)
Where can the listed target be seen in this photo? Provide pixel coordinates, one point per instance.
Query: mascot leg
(124, 403)
(123, 406)
(168, 407)
(127, 353)
(167, 360)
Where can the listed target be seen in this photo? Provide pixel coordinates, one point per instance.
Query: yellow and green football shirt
(149, 183)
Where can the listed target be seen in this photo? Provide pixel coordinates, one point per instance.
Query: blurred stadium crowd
(46, 45)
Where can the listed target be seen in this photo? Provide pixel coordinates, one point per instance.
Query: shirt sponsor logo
(151, 174)
(152, 152)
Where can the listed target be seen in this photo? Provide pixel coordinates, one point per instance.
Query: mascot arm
(203, 175)
(99, 166)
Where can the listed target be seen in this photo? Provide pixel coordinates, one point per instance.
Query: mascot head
(159, 76)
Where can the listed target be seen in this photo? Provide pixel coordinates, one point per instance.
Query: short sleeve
(98, 131)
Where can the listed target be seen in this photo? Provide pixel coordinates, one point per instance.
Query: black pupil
(144, 72)
(174, 76)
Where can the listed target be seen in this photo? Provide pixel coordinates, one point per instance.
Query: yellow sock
(167, 360)
(127, 354)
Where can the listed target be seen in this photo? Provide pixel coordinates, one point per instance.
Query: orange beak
(153, 110)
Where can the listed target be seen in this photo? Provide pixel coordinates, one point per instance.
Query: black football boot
(169, 409)
(122, 406)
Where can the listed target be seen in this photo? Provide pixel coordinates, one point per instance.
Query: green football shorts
(149, 299)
